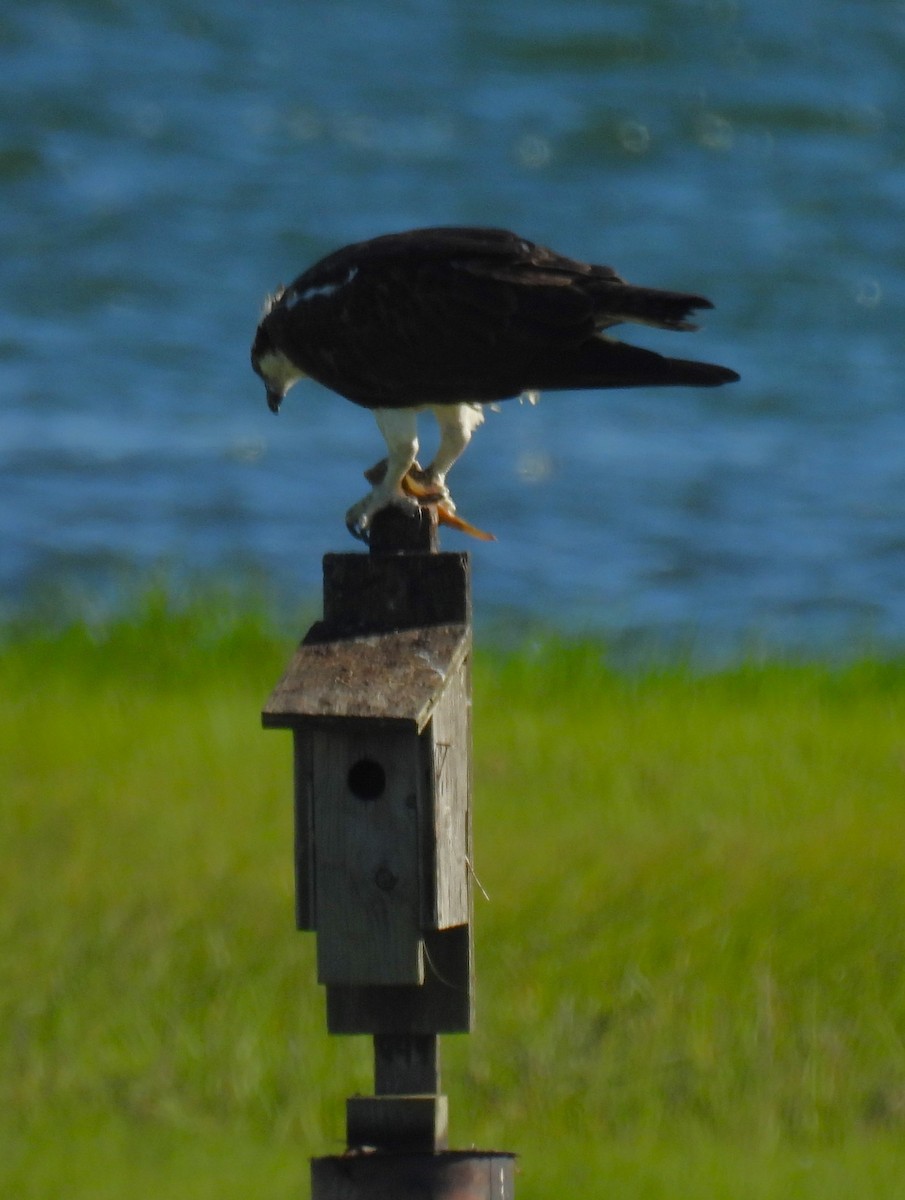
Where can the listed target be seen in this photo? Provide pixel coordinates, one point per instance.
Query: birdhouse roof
(393, 677)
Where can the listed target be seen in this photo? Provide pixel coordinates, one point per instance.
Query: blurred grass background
(690, 966)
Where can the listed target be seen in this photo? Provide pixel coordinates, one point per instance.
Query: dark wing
(442, 243)
(445, 315)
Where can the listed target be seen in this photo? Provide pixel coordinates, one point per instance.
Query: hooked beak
(274, 400)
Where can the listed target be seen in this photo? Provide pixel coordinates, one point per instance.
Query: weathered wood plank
(406, 1064)
(368, 881)
(394, 677)
(398, 1124)
(396, 531)
(305, 903)
(443, 1004)
(446, 831)
(379, 594)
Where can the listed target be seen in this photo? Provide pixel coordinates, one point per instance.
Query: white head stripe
(325, 289)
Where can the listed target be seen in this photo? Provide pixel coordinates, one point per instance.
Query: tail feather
(605, 363)
(646, 306)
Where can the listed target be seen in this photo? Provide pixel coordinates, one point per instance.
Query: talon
(421, 489)
(360, 515)
(419, 474)
(423, 482)
(358, 528)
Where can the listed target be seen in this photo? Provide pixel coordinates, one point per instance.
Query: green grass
(690, 968)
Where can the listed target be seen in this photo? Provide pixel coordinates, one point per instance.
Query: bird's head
(273, 365)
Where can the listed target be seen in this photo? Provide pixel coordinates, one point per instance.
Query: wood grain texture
(394, 677)
(381, 593)
(446, 831)
(303, 848)
(398, 531)
(406, 1064)
(444, 1003)
(398, 1124)
(368, 879)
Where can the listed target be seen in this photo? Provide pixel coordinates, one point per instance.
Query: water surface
(165, 164)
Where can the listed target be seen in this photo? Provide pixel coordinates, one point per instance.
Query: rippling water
(165, 164)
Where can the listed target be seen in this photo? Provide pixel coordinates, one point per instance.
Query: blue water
(163, 165)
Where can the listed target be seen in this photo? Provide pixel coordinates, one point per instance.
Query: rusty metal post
(453, 1175)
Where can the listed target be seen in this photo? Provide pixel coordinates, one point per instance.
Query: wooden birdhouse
(378, 700)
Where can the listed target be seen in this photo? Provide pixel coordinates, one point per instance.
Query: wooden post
(378, 699)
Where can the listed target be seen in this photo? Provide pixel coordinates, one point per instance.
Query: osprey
(451, 319)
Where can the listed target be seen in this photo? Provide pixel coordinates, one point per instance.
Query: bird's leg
(457, 423)
(399, 427)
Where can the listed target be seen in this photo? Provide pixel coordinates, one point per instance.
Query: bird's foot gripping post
(378, 699)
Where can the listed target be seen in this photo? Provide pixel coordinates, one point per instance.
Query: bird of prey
(451, 319)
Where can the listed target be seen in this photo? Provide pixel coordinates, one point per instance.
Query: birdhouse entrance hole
(367, 779)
